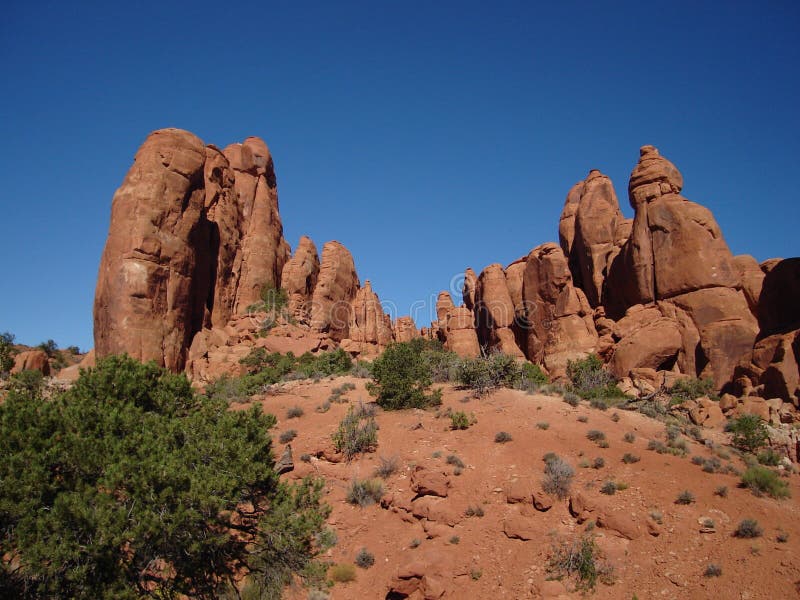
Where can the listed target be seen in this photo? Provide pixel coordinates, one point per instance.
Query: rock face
(299, 278)
(559, 318)
(455, 327)
(405, 329)
(153, 285)
(195, 236)
(592, 211)
(264, 251)
(336, 288)
(370, 328)
(494, 312)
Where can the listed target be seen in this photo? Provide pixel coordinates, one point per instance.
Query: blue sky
(425, 136)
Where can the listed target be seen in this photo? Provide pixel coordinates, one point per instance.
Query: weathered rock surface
(494, 312)
(405, 329)
(299, 278)
(593, 210)
(559, 318)
(264, 251)
(336, 288)
(154, 275)
(370, 329)
(31, 360)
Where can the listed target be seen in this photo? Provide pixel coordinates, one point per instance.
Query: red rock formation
(752, 278)
(336, 288)
(460, 333)
(593, 210)
(370, 328)
(405, 329)
(149, 300)
(559, 318)
(31, 360)
(299, 278)
(469, 287)
(264, 251)
(494, 312)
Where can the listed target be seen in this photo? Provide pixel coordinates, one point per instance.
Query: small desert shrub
(365, 559)
(305, 458)
(698, 460)
(557, 477)
(761, 480)
(501, 437)
(629, 458)
(748, 528)
(583, 419)
(782, 537)
(294, 412)
(287, 436)
(598, 463)
(460, 420)
(602, 444)
(455, 540)
(615, 417)
(415, 543)
(709, 523)
(474, 511)
(324, 407)
(749, 432)
(542, 425)
(357, 432)
(657, 516)
(769, 458)
(364, 492)
(657, 446)
(549, 456)
(361, 369)
(595, 435)
(711, 465)
(343, 572)
(437, 454)
(721, 491)
(581, 559)
(453, 459)
(685, 497)
(572, 398)
(591, 380)
(475, 574)
(609, 488)
(713, 570)
(387, 466)
(690, 389)
(584, 464)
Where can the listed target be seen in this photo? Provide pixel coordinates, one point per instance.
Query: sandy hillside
(504, 553)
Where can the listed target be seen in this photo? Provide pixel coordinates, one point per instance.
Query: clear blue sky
(425, 136)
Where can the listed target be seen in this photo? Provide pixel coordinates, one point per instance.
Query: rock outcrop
(336, 288)
(299, 278)
(405, 329)
(370, 328)
(559, 319)
(153, 288)
(589, 231)
(31, 360)
(494, 312)
(455, 327)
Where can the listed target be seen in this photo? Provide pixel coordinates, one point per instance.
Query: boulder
(459, 333)
(425, 482)
(31, 360)
(654, 345)
(495, 312)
